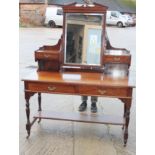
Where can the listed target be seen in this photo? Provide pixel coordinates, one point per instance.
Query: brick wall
(32, 14)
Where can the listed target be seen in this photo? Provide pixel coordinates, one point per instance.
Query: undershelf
(81, 117)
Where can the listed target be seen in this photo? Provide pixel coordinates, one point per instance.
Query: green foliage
(129, 3)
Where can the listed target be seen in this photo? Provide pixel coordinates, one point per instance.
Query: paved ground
(70, 138)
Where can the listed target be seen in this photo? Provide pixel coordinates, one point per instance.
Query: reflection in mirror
(116, 52)
(83, 38)
(116, 70)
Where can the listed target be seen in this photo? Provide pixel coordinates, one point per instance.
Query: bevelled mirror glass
(83, 39)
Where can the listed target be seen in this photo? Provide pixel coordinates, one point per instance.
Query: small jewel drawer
(47, 56)
(123, 59)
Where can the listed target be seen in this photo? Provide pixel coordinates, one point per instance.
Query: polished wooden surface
(85, 78)
(47, 55)
(73, 8)
(120, 59)
(79, 83)
(54, 51)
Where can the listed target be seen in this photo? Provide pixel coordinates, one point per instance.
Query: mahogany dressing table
(69, 68)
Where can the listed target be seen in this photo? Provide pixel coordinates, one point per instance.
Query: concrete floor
(70, 138)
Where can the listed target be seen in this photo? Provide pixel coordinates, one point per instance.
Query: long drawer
(105, 91)
(51, 88)
(117, 59)
(79, 89)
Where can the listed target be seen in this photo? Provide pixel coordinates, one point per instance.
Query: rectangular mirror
(83, 39)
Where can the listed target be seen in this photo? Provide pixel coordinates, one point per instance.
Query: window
(59, 12)
(114, 14)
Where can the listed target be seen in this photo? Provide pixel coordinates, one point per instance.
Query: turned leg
(39, 105)
(127, 105)
(124, 114)
(127, 119)
(39, 101)
(28, 124)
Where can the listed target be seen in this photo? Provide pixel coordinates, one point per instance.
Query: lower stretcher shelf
(81, 117)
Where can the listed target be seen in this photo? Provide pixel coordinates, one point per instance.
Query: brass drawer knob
(102, 92)
(116, 59)
(46, 56)
(51, 88)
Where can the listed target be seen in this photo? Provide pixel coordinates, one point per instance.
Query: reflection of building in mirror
(83, 39)
(74, 45)
(93, 46)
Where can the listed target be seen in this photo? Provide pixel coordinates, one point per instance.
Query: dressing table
(83, 62)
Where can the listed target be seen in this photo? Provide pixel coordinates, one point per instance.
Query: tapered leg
(39, 105)
(28, 124)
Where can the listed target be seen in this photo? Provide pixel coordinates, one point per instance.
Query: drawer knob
(46, 56)
(116, 59)
(102, 92)
(51, 88)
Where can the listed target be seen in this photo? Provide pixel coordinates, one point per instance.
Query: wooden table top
(84, 78)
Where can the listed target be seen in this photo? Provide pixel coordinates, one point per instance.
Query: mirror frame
(84, 8)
